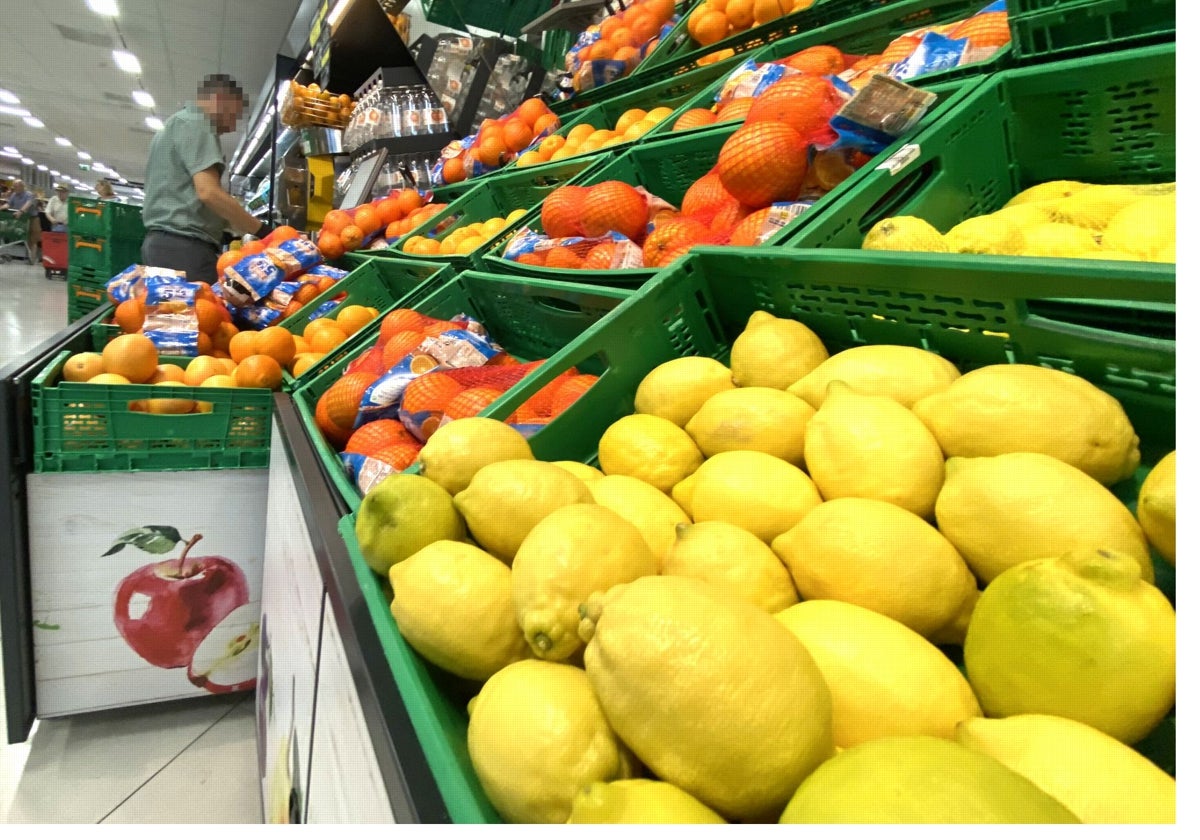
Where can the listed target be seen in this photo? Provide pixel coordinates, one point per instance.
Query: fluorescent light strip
(154, 123)
(9, 97)
(41, 167)
(84, 156)
(127, 61)
(62, 141)
(338, 11)
(13, 154)
(34, 122)
(15, 112)
(106, 8)
(144, 99)
(27, 161)
(12, 150)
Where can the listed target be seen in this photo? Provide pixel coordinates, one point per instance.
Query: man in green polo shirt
(186, 209)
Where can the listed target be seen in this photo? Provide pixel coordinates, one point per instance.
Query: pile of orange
(586, 138)
(715, 20)
(499, 141)
(213, 320)
(627, 36)
(394, 215)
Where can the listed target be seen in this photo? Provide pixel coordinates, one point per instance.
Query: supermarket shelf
(572, 16)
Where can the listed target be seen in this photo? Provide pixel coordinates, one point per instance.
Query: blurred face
(226, 110)
(18, 186)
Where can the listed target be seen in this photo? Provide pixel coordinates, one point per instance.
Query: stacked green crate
(103, 238)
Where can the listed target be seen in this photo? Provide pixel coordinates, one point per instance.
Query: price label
(902, 157)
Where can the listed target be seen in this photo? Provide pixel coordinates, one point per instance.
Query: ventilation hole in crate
(970, 316)
(928, 310)
(949, 299)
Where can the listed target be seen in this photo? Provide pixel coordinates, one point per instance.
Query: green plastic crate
(667, 167)
(493, 15)
(498, 195)
(701, 304)
(1102, 119)
(82, 427)
(531, 319)
(83, 296)
(863, 34)
(380, 283)
(1054, 29)
(105, 255)
(109, 219)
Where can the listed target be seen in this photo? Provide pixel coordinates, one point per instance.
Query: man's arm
(209, 190)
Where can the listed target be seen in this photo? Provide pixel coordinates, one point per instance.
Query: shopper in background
(56, 208)
(186, 209)
(104, 189)
(25, 204)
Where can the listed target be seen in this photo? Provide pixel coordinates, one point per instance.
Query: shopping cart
(54, 253)
(13, 233)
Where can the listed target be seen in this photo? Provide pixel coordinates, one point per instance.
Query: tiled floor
(188, 761)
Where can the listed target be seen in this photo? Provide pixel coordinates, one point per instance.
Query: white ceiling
(57, 57)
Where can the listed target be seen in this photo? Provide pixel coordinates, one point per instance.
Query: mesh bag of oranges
(614, 47)
(375, 224)
(253, 277)
(496, 143)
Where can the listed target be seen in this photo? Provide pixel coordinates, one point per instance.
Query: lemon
(648, 448)
(1093, 208)
(639, 801)
(906, 374)
(584, 472)
(506, 499)
(456, 451)
(1048, 191)
(1100, 779)
(905, 233)
(920, 779)
(1025, 215)
(681, 494)
(734, 561)
(1007, 509)
(1025, 408)
(878, 556)
(675, 390)
(955, 631)
(537, 737)
(873, 448)
(1080, 636)
(755, 491)
(651, 511)
(1156, 507)
(514, 216)
(1144, 228)
(401, 515)
(774, 352)
(758, 419)
(885, 679)
(1056, 239)
(986, 235)
(575, 552)
(712, 693)
(453, 604)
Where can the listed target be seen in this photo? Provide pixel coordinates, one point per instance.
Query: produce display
(1052, 219)
(585, 138)
(715, 20)
(310, 105)
(464, 239)
(376, 224)
(753, 511)
(496, 143)
(614, 47)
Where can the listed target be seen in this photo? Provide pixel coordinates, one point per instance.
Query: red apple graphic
(165, 610)
(227, 659)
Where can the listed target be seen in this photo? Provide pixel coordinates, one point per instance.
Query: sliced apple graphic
(227, 659)
(165, 610)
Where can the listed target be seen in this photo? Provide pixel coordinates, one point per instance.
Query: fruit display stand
(1100, 119)
(103, 237)
(1053, 29)
(668, 166)
(530, 319)
(863, 34)
(701, 303)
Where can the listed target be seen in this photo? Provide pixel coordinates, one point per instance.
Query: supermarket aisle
(183, 762)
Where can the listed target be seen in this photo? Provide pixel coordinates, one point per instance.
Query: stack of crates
(103, 238)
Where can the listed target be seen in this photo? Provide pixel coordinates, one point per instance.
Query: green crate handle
(905, 189)
(93, 210)
(81, 244)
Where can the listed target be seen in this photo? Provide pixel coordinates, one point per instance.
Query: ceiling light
(15, 112)
(9, 97)
(84, 156)
(27, 161)
(154, 123)
(336, 14)
(41, 167)
(12, 150)
(62, 141)
(55, 173)
(34, 122)
(12, 154)
(107, 8)
(127, 61)
(144, 99)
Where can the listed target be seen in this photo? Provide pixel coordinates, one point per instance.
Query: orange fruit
(399, 320)
(227, 259)
(621, 37)
(762, 163)
(989, 29)
(642, 26)
(899, 49)
(303, 362)
(532, 258)
(204, 344)
(314, 325)
(133, 356)
(345, 396)
(546, 123)
(397, 229)
(471, 401)
(350, 319)
(335, 434)
(569, 391)
(366, 219)
(167, 373)
(705, 196)
(766, 11)
(728, 217)
(202, 368)
(281, 234)
(602, 50)
(409, 200)
(694, 118)
(532, 110)
(431, 392)
(560, 211)
(306, 293)
(610, 25)
(663, 9)
(517, 135)
(630, 55)
(600, 258)
(352, 237)
(335, 220)
(208, 316)
(325, 339)
(326, 283)
(740, 14)
(116, 379)
(330, 245)
(561, 257)
(375, 435)
(301, 343)
(243, 345)
(80, 367)
(436, 327)
(258, 371)
(277, 343)
(226, 364)
(747, 231)
(130, 315)
(708, 27)
(613, 205)
(735, 109)
(255, 246)
(821, 60)
(673, 238)
(399, 346)
(398, 456)
(492, 150)
(804, 102)
(453, 170)
(369, 362)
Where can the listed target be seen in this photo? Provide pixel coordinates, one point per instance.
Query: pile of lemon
(742, 612)
(462, 239)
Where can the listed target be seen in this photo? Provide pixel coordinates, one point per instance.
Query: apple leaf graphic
(153, 539)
